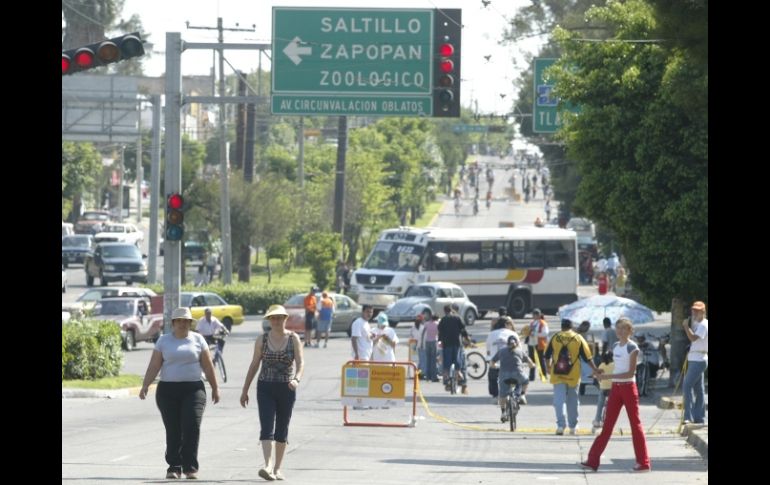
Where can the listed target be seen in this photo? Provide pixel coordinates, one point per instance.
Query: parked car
(91, 222)
(433, 296)
(75, 248)
(88, 299)
(120, 232)
(228, 314)
(115, 262)
(345, 313)
(133, 315)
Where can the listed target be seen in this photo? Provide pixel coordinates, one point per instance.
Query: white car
(431, 296)
(88, 300)
(120, 232)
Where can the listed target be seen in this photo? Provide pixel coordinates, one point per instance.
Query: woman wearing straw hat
(180, 356)
(278, 351)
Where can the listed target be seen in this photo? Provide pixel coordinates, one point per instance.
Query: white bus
(519, 268)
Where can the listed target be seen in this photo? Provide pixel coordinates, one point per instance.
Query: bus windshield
(394, 256)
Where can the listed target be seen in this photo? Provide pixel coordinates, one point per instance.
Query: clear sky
(483, 80)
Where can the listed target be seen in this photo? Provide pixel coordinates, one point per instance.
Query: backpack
(563, 362)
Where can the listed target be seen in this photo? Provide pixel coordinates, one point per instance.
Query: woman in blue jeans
(277, 351)
(693, 388)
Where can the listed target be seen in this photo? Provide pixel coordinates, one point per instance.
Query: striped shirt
(277, 365)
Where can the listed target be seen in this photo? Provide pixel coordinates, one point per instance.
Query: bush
(90, 349)
(253, 299)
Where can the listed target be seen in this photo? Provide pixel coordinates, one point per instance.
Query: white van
(67, 229)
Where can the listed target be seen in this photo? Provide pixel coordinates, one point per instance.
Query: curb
(74, 392)
(698, 436)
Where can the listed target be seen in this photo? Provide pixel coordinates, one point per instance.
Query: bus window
(559, 254)
(534, 257)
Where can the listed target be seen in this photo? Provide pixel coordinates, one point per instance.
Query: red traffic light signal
(446, 67)
(101, 53)
(174, 217)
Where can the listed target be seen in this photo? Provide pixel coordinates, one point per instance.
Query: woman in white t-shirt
(623, 393)
(693, 389)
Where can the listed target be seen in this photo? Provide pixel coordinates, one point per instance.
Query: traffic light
(446, 68)
(174, 217)
(101, 53)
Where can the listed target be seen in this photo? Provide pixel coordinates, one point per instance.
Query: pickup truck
(115, 262)
(138, 320)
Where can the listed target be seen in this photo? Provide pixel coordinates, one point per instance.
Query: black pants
(540, 354)
(493, 373)
(181, 406)
(276, 402)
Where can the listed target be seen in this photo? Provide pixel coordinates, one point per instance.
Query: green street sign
(332, 105)
(345, 54)
(545, 114)
(463, 128)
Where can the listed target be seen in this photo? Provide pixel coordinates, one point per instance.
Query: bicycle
(512, 405)
(476, 364)
(216, 349)
(452, 379)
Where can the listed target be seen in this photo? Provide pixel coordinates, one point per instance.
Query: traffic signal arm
(101, 53)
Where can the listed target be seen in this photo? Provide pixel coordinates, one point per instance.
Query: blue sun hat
(382, 319)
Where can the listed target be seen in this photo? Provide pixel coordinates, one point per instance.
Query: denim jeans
(181, 406)
(603, 393)
(694, 391)
(564, 394)
(431, 366)
(421, 359)
(276, 402)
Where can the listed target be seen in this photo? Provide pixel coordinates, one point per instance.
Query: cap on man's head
(382, 319)
(536, 311)
(699, 305)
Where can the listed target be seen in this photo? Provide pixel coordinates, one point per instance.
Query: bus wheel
(518, 305)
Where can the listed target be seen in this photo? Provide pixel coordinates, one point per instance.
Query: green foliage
(91, 349)
(641, 141)
(253, 298)
(80, 168)
(320, 250)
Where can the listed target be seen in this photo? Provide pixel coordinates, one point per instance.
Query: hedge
(253, 299)
(90, 349)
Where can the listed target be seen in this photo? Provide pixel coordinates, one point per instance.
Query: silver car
(433, 296)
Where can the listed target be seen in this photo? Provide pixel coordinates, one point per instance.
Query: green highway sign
(352, 61)
(462, 128)
(545, 113)
(311, 104)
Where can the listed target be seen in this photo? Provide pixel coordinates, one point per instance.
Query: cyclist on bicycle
(450, 329)
(209, 326)
(513, 365)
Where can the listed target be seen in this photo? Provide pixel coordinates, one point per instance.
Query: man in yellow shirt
(565, 373)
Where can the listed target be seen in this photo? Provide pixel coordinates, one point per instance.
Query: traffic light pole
(173, 182)
(152, 258)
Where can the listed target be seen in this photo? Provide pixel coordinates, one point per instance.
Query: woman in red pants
(623, 393)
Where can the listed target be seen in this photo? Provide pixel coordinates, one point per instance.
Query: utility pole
(120, 182)
(152, 258)
(139, 171)
(227, 255)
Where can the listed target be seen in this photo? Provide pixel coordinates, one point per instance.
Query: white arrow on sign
(293, 50)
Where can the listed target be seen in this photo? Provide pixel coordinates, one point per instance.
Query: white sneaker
(560, 430)
(573, 431)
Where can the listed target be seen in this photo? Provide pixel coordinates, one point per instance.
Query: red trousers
(622, 394)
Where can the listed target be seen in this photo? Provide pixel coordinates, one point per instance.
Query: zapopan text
(373, 78)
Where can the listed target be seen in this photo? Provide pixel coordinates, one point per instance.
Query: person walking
(180, 357)
(326, 309)
(361, 335)
(568, 347)
(606, 367)
(310, 304)
(693, 388)
(537, 339)
(278, 353)
(430, 340)
(623, 393)
(384, 341)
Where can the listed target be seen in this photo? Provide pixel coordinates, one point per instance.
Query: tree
(641, 142)
(320, 250)
(80, 168)
(87, 20)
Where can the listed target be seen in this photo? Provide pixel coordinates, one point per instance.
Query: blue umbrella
(596, 308)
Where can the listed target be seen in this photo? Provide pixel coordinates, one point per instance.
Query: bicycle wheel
(476, 364)
(509, 404)
(220, 362)
(452, 380)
